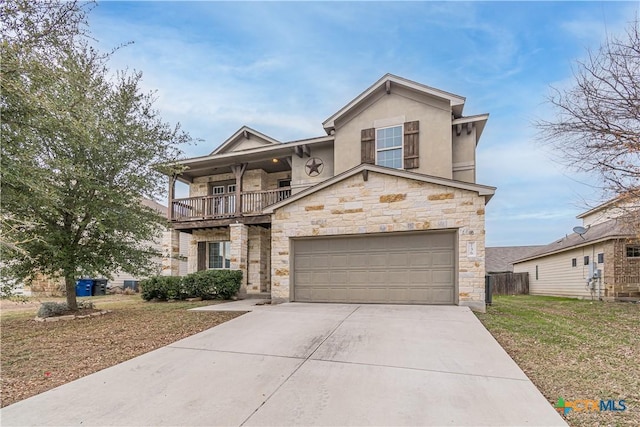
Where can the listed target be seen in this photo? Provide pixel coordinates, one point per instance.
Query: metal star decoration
(314, 166)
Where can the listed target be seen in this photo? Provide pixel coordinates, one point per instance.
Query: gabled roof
(244, 132)
(612, 229)
(499, 259)
(482, 190)
(388, 81)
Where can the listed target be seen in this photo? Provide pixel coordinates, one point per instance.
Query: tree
(79, 149)
(597, 123)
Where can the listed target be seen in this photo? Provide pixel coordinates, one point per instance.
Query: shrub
(210, 284)
(207, 284)
(199, 284)
(162, 287)
(228, 283)
(51, 308)
(85, 304)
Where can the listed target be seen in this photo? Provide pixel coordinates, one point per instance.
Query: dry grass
(574, 349)
(36, 357)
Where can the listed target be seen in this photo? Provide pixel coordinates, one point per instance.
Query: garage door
(399, 268)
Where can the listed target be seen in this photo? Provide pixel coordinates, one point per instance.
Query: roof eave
(586, 243)
(456, 101)
(482, 190)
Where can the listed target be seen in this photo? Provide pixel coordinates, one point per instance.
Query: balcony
(223, 207)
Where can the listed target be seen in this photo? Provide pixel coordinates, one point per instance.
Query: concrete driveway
(308, 364)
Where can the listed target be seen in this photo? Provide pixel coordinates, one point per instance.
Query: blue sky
(282, 68)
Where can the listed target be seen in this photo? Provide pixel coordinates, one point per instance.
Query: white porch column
(239, 236)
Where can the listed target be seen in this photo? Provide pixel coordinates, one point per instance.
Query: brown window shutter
(202, 256)
(368, 152)
(411, 145)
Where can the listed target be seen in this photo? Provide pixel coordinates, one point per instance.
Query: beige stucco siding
(384, 204)
(464, 155)
(556, 276)
(433, 114)
(299, 178)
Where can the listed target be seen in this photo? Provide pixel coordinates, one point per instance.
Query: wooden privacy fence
(509, 283)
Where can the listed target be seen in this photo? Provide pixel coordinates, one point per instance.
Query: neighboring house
(499, 259)
(383, 208)
(603, 262)
(172, 262)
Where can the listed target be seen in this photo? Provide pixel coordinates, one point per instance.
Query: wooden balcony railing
(224, 206)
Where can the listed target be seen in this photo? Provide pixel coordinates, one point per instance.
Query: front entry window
(389, 147)
(220, 254)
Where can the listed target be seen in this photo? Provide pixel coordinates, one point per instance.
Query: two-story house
(382, 208)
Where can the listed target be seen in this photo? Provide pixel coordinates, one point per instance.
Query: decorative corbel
(458, 129)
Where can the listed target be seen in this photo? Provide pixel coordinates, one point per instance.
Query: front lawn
(575, 350)
(38, 356)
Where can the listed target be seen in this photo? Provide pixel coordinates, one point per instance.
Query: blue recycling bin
(84, 287)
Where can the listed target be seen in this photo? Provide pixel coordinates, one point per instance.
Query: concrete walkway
(308, 364)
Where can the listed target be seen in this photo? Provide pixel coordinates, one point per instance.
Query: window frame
(634, 250)
(574, 262)
(586, 260)
(600, 258)
(225, 245)
(401, 147)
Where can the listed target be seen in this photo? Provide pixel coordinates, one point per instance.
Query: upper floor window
(394, 146)
(389, 147)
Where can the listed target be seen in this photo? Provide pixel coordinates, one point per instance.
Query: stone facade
(239, 235)
(383, 204)
(252, 180)
(208, 235)
(259, 266)
(171, 253)
(250, 253)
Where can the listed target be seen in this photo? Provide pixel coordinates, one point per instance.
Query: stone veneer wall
(239, 236)
(384, 204)
(259, 260)
(210, 235)
(252, 180)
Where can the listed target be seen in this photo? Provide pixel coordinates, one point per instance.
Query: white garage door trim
(389, 268)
